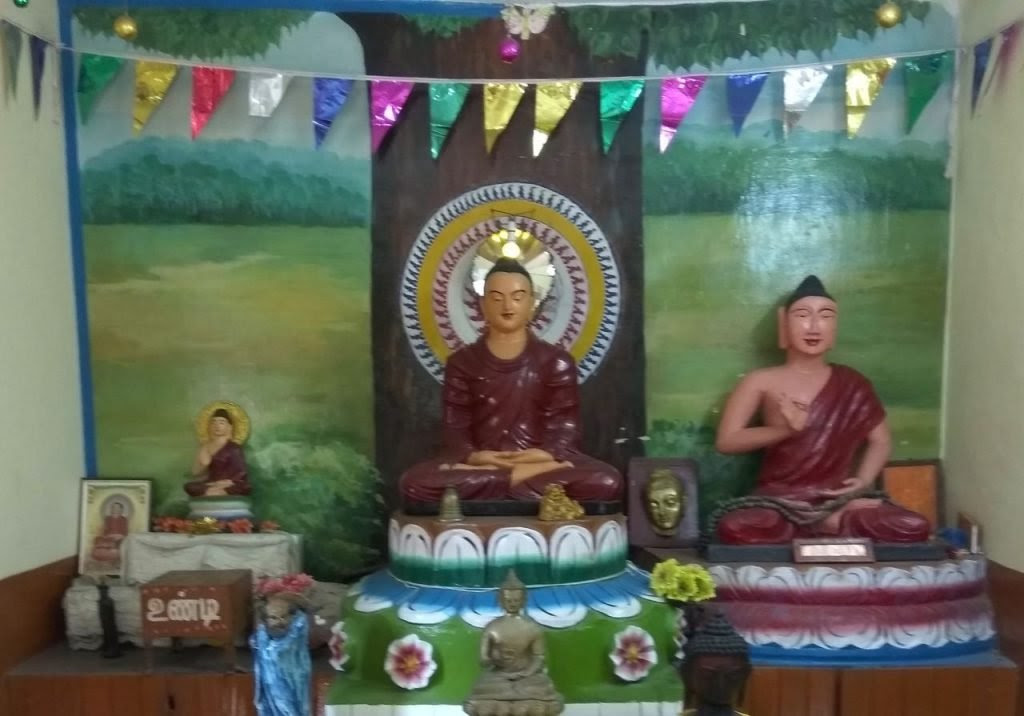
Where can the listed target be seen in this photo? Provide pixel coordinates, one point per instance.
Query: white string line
(138, 56)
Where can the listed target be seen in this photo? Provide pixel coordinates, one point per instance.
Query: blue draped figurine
(282, 669)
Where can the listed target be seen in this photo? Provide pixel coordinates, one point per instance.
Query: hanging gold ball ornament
(125, 27)
(889, 15)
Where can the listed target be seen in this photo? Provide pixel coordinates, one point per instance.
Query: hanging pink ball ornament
(509, 49)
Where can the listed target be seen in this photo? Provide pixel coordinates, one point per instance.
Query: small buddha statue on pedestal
(219, 468)
(513, 679)
(715, 669)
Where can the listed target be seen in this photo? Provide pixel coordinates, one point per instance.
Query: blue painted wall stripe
(68, 81)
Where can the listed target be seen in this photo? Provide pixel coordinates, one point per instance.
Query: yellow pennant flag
(864, 81)
(152, 80)
(500, 102)
(553, 101)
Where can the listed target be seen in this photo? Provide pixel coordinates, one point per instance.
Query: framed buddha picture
(662, 494)
(110, 511)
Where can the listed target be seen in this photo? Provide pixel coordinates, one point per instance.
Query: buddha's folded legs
(755, 525)
(885, 522)
(426, 482)
(586, 480)
(871, 519)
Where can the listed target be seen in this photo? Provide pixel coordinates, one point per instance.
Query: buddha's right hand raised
(488, 458)
(793, 412)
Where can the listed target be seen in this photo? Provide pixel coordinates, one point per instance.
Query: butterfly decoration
(525, 21)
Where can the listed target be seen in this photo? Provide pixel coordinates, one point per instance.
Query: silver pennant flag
(265, 92)
(800, 87)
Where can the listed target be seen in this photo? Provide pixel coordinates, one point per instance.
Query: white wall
(984, 406)
(41, 457)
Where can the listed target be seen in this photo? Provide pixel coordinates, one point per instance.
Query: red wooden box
(203, 604)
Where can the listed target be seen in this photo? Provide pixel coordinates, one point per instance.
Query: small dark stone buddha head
(717, 664)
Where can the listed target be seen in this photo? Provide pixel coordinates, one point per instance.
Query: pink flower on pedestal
(410, 662)
(634, 654)
(338, 646)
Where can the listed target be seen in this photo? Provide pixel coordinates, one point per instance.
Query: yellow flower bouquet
(677, 582)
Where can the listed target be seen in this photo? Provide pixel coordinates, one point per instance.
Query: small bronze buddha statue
(513, 679)
(716, 668)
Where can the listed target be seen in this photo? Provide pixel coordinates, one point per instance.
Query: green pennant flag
(446, 100)
(10, 38)
(922, 78)
(617, 98)
(94, 74)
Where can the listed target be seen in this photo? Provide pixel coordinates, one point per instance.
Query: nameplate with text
(835, 549)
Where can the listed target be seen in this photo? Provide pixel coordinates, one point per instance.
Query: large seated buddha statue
(824, 439)
(511, 423)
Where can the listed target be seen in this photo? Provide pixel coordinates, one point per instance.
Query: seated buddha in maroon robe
(824, 439)
(511, 423)
(220, 463)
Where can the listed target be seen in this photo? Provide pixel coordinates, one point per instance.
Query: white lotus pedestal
(440, 590)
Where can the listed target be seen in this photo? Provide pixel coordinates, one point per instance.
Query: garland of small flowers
(210, 526)
(799, 516)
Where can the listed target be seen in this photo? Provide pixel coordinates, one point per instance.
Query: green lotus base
(577, 659)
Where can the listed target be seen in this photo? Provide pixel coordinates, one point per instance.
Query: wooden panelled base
(65, 683)
(917, 691)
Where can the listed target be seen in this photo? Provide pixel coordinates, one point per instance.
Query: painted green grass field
(274, 318)
(712, 282)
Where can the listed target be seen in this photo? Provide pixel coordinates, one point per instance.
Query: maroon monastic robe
(531, 401)
(228, 463)
(821, 457)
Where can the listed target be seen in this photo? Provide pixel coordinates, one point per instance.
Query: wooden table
(201, 604)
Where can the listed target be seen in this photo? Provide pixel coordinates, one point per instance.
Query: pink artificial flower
(336, 645)
(410, 662)
(634, 654)
(291, 583)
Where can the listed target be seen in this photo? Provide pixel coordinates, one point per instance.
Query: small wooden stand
(204, 604)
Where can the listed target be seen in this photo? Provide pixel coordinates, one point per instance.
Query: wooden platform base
(62, 682)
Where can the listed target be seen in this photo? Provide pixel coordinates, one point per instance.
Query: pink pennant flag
(387, 99)
(677, 97)
(209, 85)
(1007, 53)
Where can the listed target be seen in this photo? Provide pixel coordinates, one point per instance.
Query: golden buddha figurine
(664, 502)
(513, 679)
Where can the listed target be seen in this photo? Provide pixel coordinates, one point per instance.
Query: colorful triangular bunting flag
(553, 100)
(981, 54)
(864, 80)
(617, 98)
(10, 36)
(500, 102)
(329, 96)
(678, 95)
(387, 100)
(152, 80)
(209, 85)
(37, 53)
(446, 100)
(1009, 42)
(95, 72)
(922, 77)
(265, 92)
(741, 92)
(800, 86)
